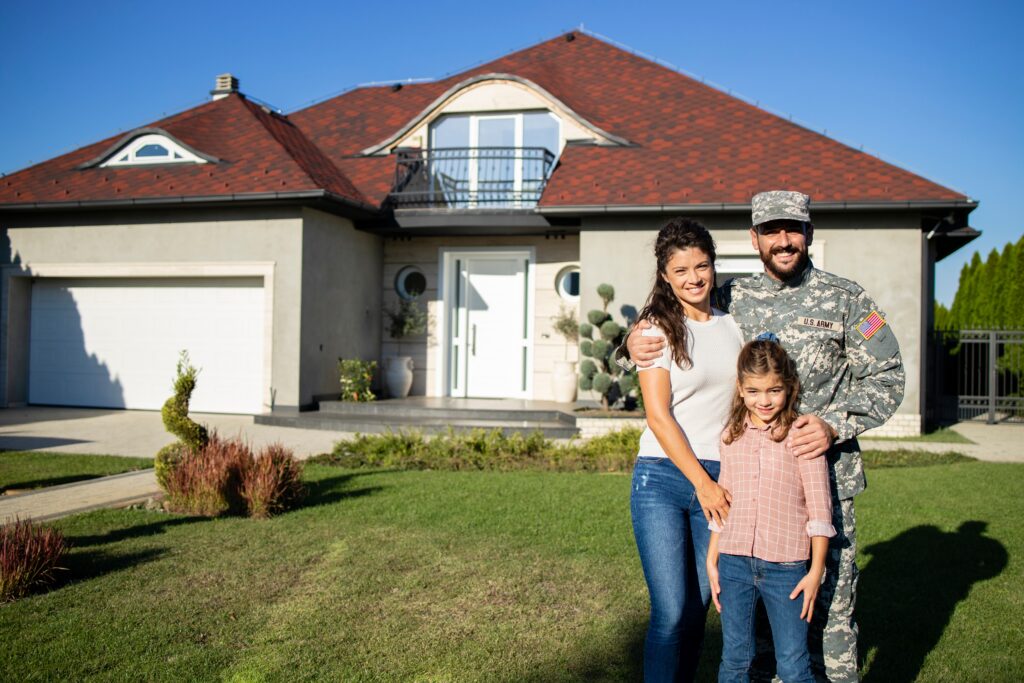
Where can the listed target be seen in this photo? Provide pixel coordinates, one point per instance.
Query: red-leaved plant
(272, 482)
(208, 481)
(29, 554)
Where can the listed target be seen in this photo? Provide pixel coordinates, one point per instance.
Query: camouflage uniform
(854, 382)
(851, 376)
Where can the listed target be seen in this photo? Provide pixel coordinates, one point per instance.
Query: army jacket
(848, 359)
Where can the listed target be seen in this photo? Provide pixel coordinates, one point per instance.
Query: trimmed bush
(586, 330)
(208, 481)
(29, 554)
(356, 376)
(597, 318)
(482, 450)
(191, 435)
(611, 329)
(272, 482)
(600, 375)
(602, 382)
(600, 349)
(586, 347)
(586, 383)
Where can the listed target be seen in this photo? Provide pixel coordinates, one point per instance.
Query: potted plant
(407, 320)
(563, 379)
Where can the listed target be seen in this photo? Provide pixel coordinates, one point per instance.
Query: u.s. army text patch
(871, 324)
(817, 324)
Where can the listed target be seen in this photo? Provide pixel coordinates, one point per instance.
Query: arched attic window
(152, 148)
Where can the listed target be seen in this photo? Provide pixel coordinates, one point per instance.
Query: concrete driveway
(137, 432)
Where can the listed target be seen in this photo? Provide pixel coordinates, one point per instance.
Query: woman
(687, 394)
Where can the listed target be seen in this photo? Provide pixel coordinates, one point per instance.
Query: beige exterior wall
(170, 244)
(882, 252)
(341, 299)
(424, 252)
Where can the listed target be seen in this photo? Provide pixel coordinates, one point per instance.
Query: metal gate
(977, 374)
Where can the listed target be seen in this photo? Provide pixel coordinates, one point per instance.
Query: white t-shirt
(702, 393)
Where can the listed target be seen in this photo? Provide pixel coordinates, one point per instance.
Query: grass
(488, 576)
(33, 470)
(940, 435)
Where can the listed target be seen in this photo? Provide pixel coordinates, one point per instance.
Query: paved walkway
(140, 433)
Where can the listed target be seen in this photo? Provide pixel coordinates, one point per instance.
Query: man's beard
(795, 269)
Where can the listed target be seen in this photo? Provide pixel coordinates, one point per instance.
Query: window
(567, 283)
(410, 282)
(493, 160)
(152, 149)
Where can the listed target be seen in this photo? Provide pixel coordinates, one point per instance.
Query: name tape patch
(871, 324)
(817, 324)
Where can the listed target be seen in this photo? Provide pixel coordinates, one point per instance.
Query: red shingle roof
(259, 152)
(693, 144)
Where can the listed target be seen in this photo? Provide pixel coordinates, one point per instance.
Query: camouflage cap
(779, 205)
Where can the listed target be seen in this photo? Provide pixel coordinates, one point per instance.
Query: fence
(977, 374)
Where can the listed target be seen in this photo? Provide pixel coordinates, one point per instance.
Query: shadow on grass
(136, 531)
(92, 564)
(909, 589)
(52, 481)
(334, 489)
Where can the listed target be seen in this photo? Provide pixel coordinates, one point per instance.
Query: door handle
(474, 340)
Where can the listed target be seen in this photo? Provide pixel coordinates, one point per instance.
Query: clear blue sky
(931, 85)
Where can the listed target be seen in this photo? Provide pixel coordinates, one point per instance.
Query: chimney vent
(226, 84)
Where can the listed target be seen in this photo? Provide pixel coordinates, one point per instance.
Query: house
(268, 244)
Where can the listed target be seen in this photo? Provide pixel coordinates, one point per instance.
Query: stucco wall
(177, 241)
(341, 297)
(882, 252)
(551, 256)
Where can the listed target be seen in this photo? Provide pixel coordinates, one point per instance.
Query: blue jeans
(672, 537)
(742, 580)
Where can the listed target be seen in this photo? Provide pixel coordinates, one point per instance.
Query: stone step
(366, 424)
(389, 411)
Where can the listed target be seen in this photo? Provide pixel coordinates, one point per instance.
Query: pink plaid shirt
(778, 500)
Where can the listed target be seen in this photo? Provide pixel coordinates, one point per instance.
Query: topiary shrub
(29, 556)
(208, 481)
(272, 482)
(191, 435)
(598, 372)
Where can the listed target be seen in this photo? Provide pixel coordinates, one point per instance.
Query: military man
(851, 377)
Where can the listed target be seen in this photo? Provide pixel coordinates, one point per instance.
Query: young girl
(781, 514)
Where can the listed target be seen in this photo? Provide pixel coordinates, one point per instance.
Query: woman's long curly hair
(759, 358)
(662, 308)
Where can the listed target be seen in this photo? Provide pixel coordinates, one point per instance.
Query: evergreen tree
(988, 294)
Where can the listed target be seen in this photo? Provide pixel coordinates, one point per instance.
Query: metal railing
(984, 370)
(470, 177)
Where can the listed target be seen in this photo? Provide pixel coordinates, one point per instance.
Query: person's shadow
(909, 589)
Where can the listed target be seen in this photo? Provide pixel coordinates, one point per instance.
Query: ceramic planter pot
(563, 381)
(398, 375)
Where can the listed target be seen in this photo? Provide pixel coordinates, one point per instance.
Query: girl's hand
(712, 565)
(714, 501)
(809, 586)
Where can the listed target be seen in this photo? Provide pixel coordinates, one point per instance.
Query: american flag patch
(873, 323)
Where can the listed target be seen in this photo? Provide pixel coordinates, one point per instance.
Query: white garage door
(114, 343)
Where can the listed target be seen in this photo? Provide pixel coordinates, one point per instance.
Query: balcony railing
(471, 177)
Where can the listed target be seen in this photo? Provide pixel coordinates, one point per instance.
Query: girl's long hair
(758, 358)
(662, 307)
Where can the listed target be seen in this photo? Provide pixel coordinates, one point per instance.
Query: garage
(114, 342)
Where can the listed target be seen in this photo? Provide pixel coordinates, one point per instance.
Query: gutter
(611, 209)
(191, 200)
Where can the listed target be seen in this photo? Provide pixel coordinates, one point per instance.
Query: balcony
(470, 178)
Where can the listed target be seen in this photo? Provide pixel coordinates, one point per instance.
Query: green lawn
(940, 435)
(486, 576)
(33, 470)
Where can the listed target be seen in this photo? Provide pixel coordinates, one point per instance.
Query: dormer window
(152, 148)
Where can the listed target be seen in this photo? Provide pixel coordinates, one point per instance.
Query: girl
(687, 393)
(781, 513)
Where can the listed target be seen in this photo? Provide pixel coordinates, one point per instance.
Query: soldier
(851, 376)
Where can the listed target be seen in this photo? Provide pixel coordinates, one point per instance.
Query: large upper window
(152, 149)
(493, 159)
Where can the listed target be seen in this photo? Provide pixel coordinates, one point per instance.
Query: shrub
(208, 481)
(29, 554)
(601, 373)
(598, 318)
(407, 320)
(483, 450)
(272, 482)
(356, 376)
(191, 435)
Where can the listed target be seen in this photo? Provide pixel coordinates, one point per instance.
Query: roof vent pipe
(225, 85)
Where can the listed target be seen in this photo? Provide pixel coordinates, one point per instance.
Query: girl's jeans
(672, 537)
(743, 580)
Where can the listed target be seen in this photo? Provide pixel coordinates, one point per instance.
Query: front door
(489, 323)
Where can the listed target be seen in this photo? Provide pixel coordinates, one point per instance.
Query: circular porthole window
(567, 282)
(410, 282)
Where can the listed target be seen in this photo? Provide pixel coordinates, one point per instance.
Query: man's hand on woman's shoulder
(644, 350)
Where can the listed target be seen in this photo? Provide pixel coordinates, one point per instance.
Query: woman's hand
(714, 501)
(809, 586)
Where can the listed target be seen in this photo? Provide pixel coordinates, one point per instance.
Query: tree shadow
(92, 564)
(136, 531)
(333, 489)
(909, 590)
